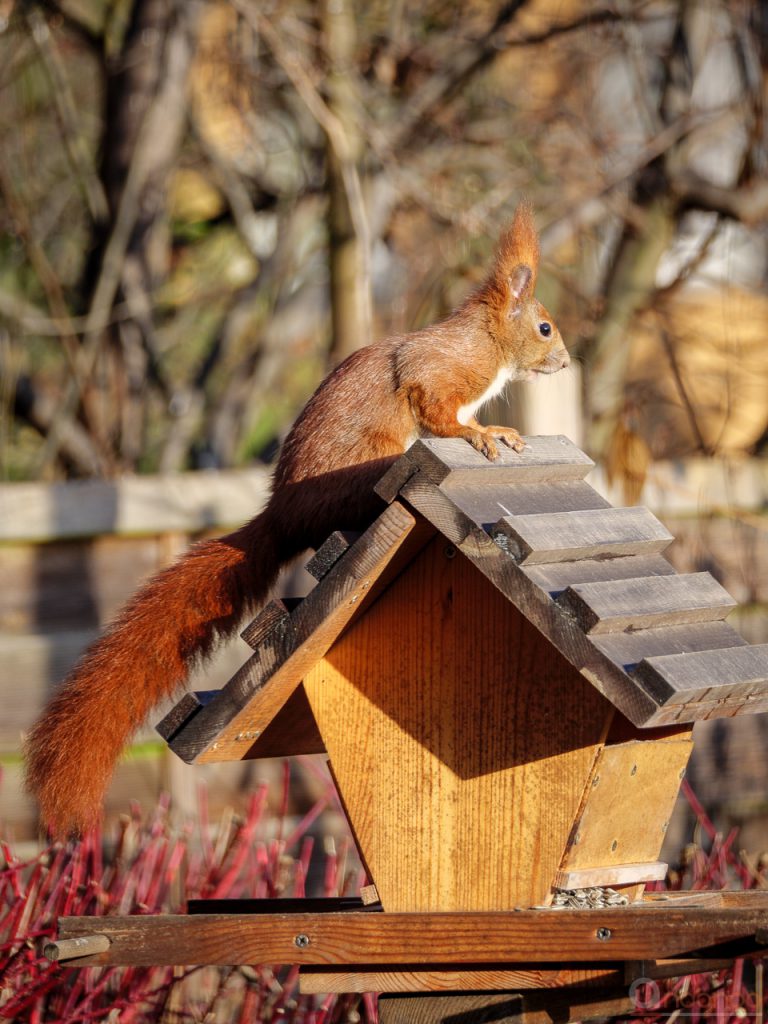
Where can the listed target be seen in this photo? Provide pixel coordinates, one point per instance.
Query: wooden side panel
(460, 739)
(626, 808)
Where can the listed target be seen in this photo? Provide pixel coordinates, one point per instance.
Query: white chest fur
(466, 412)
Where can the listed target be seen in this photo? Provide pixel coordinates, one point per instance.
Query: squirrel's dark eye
(545, 329)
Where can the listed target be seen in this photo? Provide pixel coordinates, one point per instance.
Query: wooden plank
(456, 1008)
(658, 969)
(328, 554)
(636, 932)
(181, 714)
(555, 577)
(626, 807)
(452, 810)
(317, 980)
(628, 649)
(739, 673)
(617, 874)
(183, 502)
(69, 949)
(228, 726)
(272, 621)
(485, 504)
(591, 533)
(610, 606)
(545, 458)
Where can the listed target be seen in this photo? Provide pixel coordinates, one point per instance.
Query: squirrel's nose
(564, 358)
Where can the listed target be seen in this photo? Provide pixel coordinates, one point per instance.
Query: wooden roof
(592, 578)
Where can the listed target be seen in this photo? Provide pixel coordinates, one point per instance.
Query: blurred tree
(206, 204)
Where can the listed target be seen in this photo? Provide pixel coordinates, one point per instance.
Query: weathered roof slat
(329, 552)
(484, 505)
(628, 649)
(613, 605)
(271, 621)
(555, 577)
(545, 458)
(181, 714)
(584, 533)
(736, 673)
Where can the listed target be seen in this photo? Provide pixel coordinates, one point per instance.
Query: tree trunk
(348, 260)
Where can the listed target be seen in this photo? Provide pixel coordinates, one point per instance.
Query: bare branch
(682, 390)
(150, 148)
(64, 104)
(46, 275)
(748, 203)
(301, 79)
(462, 64)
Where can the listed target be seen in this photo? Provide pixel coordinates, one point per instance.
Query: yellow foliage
(193, 197)
(717, 339)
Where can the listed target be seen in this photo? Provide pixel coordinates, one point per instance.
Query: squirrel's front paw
(483, 443)
(509, 436)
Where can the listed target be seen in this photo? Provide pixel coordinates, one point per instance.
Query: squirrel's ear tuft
(519, 249)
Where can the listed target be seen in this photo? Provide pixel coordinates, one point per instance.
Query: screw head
(301, 941)
(603, 934)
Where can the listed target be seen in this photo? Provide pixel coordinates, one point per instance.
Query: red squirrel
(362, 417)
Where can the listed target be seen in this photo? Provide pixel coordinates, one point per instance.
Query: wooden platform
(655, 928)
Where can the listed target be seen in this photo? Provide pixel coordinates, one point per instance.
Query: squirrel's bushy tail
(144, 657)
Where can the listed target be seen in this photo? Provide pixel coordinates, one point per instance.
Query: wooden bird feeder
(503, 671)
